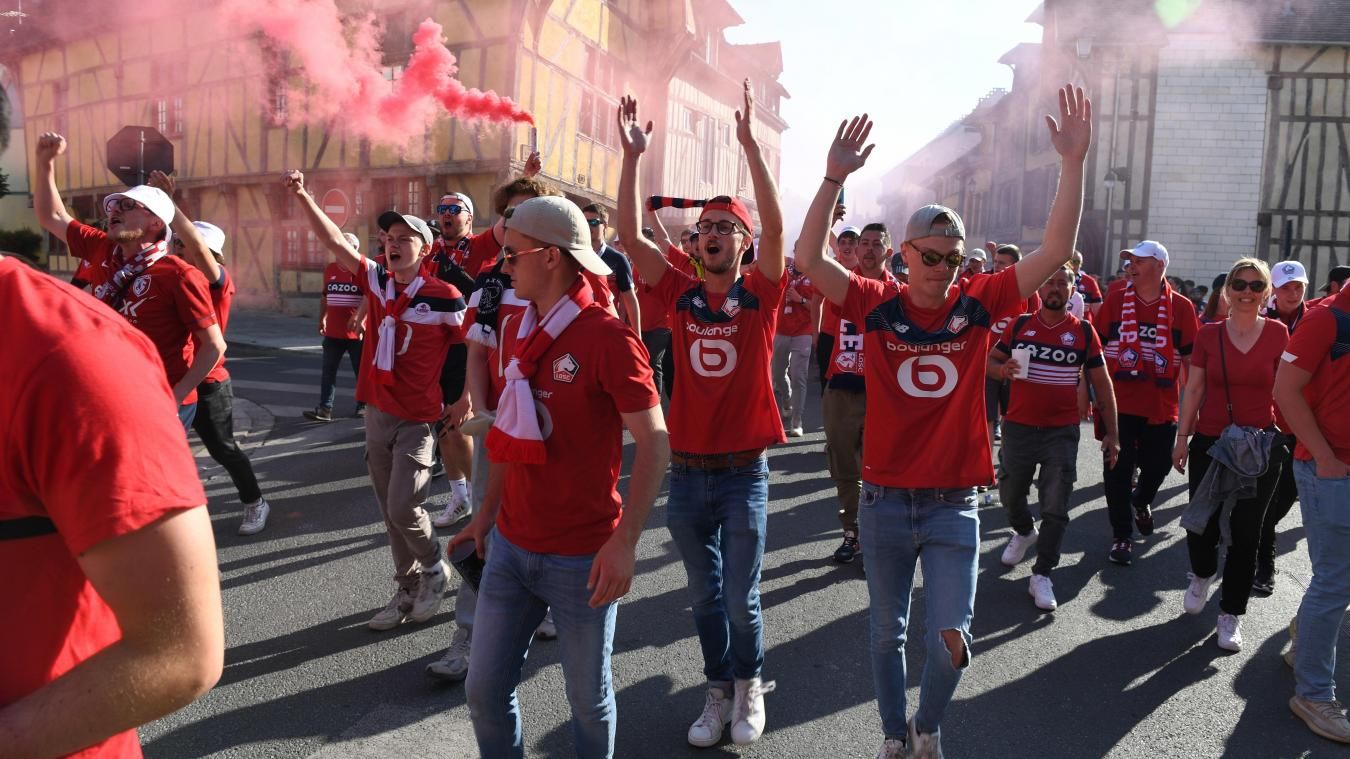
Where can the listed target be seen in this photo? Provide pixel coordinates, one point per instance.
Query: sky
(914, 67)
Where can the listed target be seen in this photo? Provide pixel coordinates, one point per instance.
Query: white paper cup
(1023, 358)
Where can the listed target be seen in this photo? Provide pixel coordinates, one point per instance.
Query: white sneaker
(1197, 595)
(747, 722)
(255, 517)
(454, 666)
(453, 513)
(893, 748)
(1017, 547)
(1043, 591)
(394, 613)
(795, 431)
(707, 729)
(1230, 632)
(430, 593)
(924, 745)
(546, 629)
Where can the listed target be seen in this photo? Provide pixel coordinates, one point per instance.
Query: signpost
(135, 151)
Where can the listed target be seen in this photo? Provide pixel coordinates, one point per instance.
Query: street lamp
(1110, 182)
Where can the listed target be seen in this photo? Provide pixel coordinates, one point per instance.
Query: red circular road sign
(336, 205)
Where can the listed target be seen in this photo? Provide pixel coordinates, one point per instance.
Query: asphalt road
(1117, 671)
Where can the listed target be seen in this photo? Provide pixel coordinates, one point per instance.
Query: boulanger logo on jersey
(927, 376)
(712, 358)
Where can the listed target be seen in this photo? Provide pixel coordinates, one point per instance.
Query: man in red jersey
(1041, 428)
(798, 324)
(342, 323)
(925, 447)
(110, 568)
(1335, 282)
(576, 377)
(1148, 330)
(131, 271)
(419, 317)
(1088, 287)
(723, 419)
(1312, 389)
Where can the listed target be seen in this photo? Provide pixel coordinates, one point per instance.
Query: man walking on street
(798, 325)
(342, 323)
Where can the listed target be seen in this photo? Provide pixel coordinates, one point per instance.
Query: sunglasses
(454, 209)
(595, 222)
(1255, 286)
(509, 254)
(723, 227)
(933, 258)
(125, 204)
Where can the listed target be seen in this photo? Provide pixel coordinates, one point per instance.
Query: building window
(360, 204)
(169, 116)
(414, 197)
(710, 151)
(684, 119)
(292, 252)
(596, 119)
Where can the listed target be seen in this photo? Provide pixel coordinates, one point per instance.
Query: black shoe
(320, 414)
(849, 550)
(361, 410)
(437, 469)
(1143, 519)
(1121, 552)
(1264, 582)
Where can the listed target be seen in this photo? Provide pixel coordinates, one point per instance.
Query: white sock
(460, 489)
(433, 569)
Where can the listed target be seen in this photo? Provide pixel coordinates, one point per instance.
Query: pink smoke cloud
(336, 75)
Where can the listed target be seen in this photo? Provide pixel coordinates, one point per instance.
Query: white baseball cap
(1148, 249)
(463, 200)
(352, 240)
(153, 198)
(212, 235)
(1285, 272)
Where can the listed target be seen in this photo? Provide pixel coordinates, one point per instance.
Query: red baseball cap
(733, 206)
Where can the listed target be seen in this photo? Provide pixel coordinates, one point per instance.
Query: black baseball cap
(1338, 274)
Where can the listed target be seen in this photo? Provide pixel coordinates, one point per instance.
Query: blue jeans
(186, 413)
(897, 529)
(517, 588)
(1326, 518)
(334, 348)
(717, 518)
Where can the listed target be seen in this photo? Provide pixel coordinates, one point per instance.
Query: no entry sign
(336, 205)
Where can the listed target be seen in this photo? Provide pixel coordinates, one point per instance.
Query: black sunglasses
(595, 222)
(723, 227)
(1239, 285)
(933, 258)
(453, 209)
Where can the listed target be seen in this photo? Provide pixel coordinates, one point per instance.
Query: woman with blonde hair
(1226, 431)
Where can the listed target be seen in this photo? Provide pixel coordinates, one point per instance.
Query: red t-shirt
(600, 291)
(925, 423)
(846, 367)
(77, 453)
(433, 321)
(1048, 397)
(794, 319)
(594, 371)
(341, 297)
(493, 308)
(222, 297)
(1091, 291)
(1029, 306)
(473, 253)
(723, 345)
(1142, 395)
(168, 302)
(1319, 347)
(1251, 377)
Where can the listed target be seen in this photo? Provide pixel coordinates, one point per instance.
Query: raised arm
(1071, 136)
(650, 261)
(846, 156)
(47, 204)
(662, 236)
(194, 249)
(769, 258)
(328, 233)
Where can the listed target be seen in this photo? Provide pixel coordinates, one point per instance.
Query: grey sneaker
(255, 517)
(1326, 718)
(454, 666)
(430, 593)
(394, 613)
(924, 745)
(893, 748)
(320, 414)
(453, 513)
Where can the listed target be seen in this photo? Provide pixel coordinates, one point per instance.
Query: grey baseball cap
(922, 223)
(558, 221)
(390, 218)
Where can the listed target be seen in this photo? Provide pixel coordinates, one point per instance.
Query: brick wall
(1208, 141)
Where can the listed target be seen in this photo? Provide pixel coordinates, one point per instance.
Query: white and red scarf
(385, 336)
(115, 290)
(1130, 362)
(515, 437)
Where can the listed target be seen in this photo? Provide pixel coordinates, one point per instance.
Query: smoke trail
(336, 74)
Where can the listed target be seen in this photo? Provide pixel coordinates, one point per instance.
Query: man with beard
(132, 272)
(1041, 428)
(722, 420)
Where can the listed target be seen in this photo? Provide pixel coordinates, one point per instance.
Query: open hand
(745, 117)
(633, 137)
(162, 181)
(534, 164)
(1072, 135)
(847, 153)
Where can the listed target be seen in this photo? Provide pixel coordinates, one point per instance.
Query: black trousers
(214, 424)
(657, 342)
(1148, 448)
(1245, 526)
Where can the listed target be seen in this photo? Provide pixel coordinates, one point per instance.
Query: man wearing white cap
(202, 245)
(419, 318)
(1290, 282)
(131, 272)
(1148, 330)
(576, 377)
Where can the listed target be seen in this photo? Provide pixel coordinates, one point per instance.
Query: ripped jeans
(899, 528)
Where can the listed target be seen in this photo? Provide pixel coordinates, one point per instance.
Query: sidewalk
(275, 330)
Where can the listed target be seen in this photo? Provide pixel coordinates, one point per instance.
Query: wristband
(832, 180)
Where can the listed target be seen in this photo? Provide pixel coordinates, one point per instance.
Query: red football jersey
(1320, 346)
(1143, 396)
(723, 345)
(925, 423)
(1048, 396)
(594, 371)
(433, 321)
(846, 368)
(341, 297)
(493, 308)
(1251, 377)
(82, 454)
(222, 297)
(168, 302)
(1089, 288)
(794, 319)
(1029, 306)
